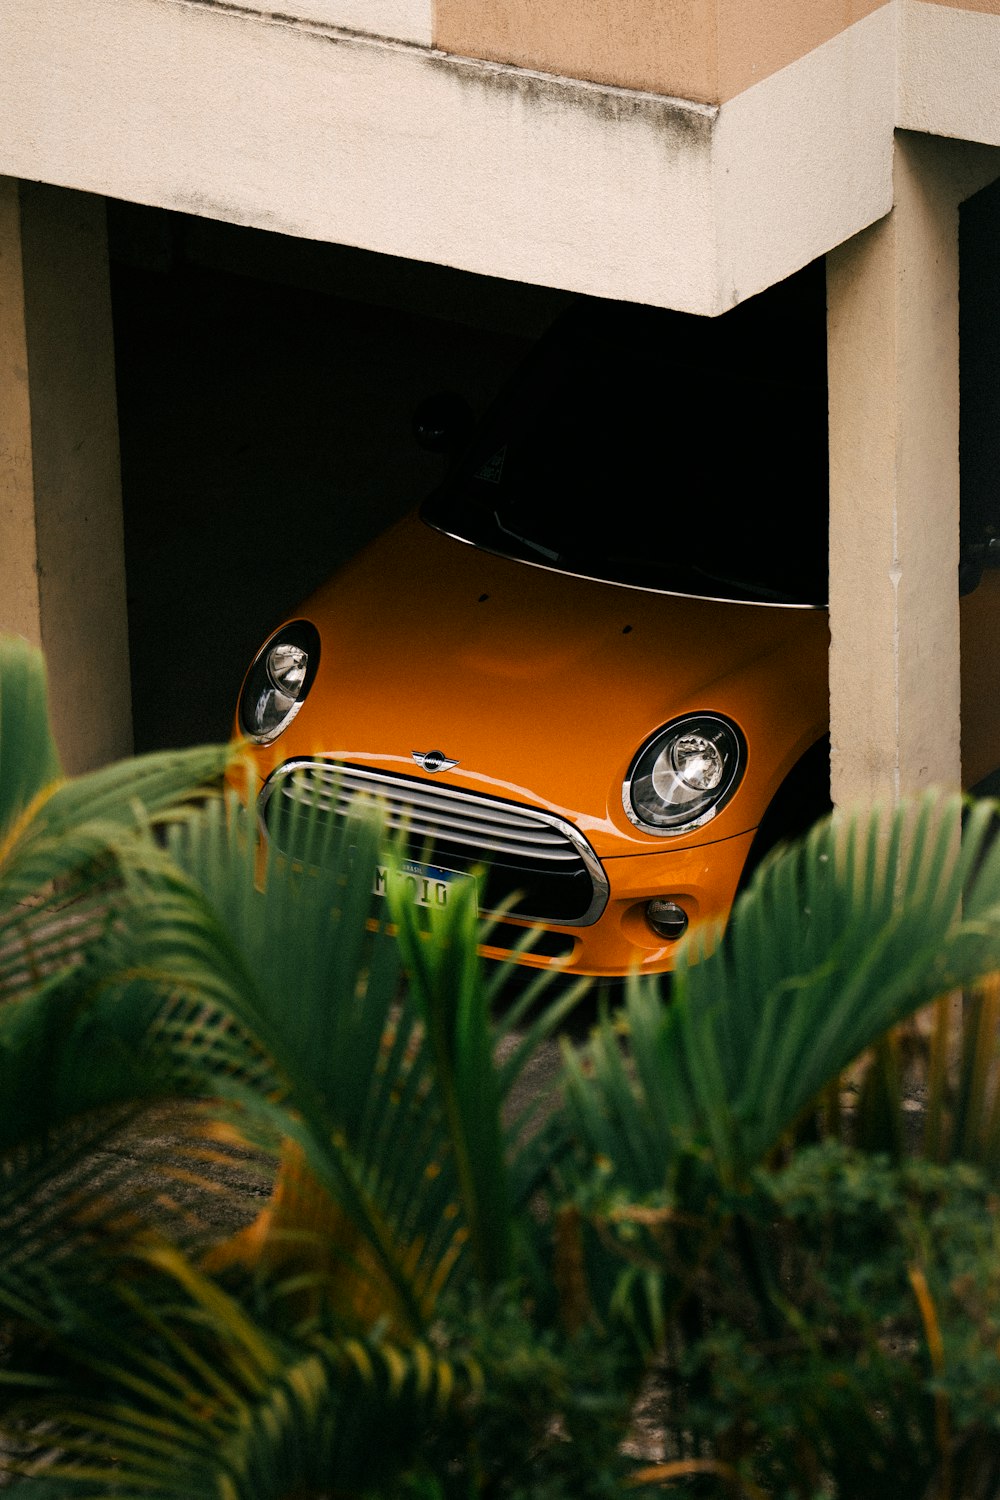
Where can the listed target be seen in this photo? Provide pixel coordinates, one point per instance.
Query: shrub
(438, 1299)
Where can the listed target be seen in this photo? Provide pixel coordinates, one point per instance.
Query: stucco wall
(336, 120)
(709, 50)
(315, 131)
(986, 7)
(404, 20)
(62, 573)
(949, 67)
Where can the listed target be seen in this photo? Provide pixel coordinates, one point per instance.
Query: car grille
(524, 852)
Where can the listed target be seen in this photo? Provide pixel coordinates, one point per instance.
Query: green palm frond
(274, 987)
(272, 984)
(63, 860)
(83, 1053)
(287, 947)
(291, 961)
(932, 1086)
(78, 1054)
(380, 1047)
(29, 762)
(836, 941)
(182, 1393)
(73, 1202)
(446, 982)
(65, 846)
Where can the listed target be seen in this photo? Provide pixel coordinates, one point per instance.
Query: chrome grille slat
(546, 843)
(420, 828)
(470, 826)
(543, 851)
(433, 798)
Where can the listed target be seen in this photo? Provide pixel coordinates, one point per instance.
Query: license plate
(424, 885)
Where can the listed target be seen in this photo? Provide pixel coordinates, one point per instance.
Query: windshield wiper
(756, 590)
(526, 541)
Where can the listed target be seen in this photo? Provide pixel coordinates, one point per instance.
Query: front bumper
(703, 880)
(546, 864)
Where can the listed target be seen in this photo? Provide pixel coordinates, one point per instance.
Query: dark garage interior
(266, 390)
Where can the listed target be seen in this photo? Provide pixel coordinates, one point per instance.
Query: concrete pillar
(62, 562)
(894, 482)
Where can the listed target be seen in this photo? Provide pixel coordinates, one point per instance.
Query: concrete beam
(285, 123)
(709, 50)
(949, 61)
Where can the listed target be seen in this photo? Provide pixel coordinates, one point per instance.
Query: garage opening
(266, 390)
(979, 445)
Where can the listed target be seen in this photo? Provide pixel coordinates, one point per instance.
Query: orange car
(593, 665)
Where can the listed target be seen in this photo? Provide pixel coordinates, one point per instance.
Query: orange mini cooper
(593, 665)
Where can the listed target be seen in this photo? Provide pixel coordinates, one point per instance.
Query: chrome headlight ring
(684, 774)
(278, 681)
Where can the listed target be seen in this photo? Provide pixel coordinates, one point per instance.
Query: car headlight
(684, 775)
(278, 680)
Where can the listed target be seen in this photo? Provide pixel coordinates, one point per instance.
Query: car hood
(541, 685)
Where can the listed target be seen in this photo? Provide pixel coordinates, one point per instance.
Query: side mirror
(970, 573)
(443, 423)
(983, 552)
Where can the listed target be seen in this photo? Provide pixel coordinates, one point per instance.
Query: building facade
(681, 153)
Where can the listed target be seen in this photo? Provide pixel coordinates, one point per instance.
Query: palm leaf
(73, 843)
(183, 1393)
(29, 762)
(64, 845)
(300, 962)
(836, 941)
(447, 983)
(388, 1088)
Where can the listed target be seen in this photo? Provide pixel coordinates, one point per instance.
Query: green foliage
(720, 1260)
(839, 940)
(178, 1390)
(815, 1375)
(74, 857)
(29, 762)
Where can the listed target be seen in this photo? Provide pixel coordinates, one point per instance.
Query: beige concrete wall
(230, 114)
(641, 44)
(62, 574)
(949, 67)
(240, 113)
(758, 40)
(894, 482)
(791, 153)
(986, 7)
(19, 583)
(709, 50)
(405, 20)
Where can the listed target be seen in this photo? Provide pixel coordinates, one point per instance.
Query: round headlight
(684, 775)
(278, 680)
(698, 762)
(286, 667)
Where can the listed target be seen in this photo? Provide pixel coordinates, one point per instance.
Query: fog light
(667, 919)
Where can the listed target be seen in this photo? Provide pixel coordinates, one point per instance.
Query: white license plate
(424, 885)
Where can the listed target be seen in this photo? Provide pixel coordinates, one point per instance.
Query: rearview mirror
(443, 423)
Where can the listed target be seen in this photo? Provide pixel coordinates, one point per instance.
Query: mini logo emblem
(433, 760)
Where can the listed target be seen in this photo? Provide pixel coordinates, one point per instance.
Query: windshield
(618, 455)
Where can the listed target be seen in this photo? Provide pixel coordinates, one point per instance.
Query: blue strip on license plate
(425, 885)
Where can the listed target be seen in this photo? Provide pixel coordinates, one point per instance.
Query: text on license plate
(425, 885)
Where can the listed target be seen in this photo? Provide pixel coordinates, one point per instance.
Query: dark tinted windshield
(634, 447)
